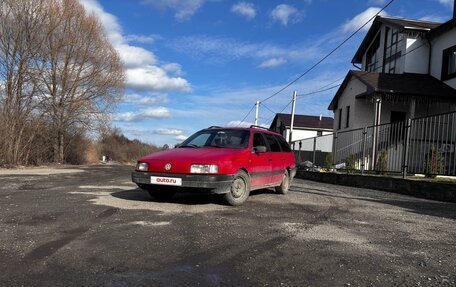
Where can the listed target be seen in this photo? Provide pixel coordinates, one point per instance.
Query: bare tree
(58, 74)
(20, 23)
(79, 74)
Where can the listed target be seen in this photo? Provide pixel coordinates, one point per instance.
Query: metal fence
(420, 146)
(315, 150)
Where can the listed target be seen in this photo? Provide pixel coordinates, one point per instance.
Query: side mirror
(259, 149)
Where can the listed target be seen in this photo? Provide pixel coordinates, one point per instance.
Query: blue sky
(191, 64)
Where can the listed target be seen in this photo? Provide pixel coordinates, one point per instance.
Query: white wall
(299, 134)
(438, 45)
(348, 97)
(418, 60)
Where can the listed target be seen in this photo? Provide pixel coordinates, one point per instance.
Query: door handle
(270, 159)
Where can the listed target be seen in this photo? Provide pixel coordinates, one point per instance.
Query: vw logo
(168, 166)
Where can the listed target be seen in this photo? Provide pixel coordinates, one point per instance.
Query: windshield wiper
(190, 145)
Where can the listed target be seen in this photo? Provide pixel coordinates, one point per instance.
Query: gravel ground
(90, 226)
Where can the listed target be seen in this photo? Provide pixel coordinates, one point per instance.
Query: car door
(277, 162)
(261, 163)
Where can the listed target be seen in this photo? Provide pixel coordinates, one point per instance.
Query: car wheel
(239, 190)
(285, 185)
(162, 195)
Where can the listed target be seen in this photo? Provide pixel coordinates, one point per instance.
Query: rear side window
(273, 143)
(283, 144)
(258, 140)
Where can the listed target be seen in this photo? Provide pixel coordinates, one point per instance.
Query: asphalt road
(90, 226)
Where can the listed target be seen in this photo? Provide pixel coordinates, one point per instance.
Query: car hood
(180, 159)
(194, 154)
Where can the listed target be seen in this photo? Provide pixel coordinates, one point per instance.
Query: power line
(335, 86)
(319, 91)
(330, 53)
(264, 106)
(323, 88)
(246, 116)
(289, 103)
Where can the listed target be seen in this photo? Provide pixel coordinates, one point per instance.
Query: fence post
(334, 150)
(314, 149)
(406, 148)
(363, 158)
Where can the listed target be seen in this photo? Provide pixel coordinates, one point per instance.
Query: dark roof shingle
(407, 84)
(411, 24)
(304, 121)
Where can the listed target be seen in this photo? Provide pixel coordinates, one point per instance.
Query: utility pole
(257, 112)
(293, 106)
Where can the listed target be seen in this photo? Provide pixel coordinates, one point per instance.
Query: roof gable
(442, 29)
(398, 23)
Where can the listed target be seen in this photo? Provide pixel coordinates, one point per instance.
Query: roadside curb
(422, 189)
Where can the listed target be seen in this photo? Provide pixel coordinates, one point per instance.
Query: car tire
(284, 185)
(239, 189)
(164, 195)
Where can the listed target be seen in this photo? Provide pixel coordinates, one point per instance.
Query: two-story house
(406, 69)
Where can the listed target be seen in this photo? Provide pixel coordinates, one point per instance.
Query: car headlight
(142, 166)
(203, 168)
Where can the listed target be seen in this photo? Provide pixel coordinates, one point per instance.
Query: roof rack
(260, 127)
(214, 127)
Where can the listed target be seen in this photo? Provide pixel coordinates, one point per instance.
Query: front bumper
(218, 184)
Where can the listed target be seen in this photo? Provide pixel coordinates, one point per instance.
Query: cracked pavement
(90, 226)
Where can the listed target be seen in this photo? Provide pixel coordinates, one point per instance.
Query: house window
(372, 56)
(347, 120)
(392, 51)
(449, 63)
(339, 122)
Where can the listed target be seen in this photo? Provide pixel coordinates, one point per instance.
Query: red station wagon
(228, 161)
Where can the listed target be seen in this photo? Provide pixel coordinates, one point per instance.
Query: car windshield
(218, 139)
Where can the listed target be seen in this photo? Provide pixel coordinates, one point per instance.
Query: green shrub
(329, 161)
(350, 164)
(433, 163)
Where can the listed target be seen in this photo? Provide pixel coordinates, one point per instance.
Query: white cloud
(181, 137)
(272, 63)
(220, 50)
(244, 9)
(245, 124)
(239, 124)
(447, 2)
(133, 56)
(136, 59)
(356, 22)
(173, 68)
(143, 114)
(153, 78)
(434, 18)
(144, 39)
(184, 9)
(168, 132)
(285, 14)
(145, 100)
